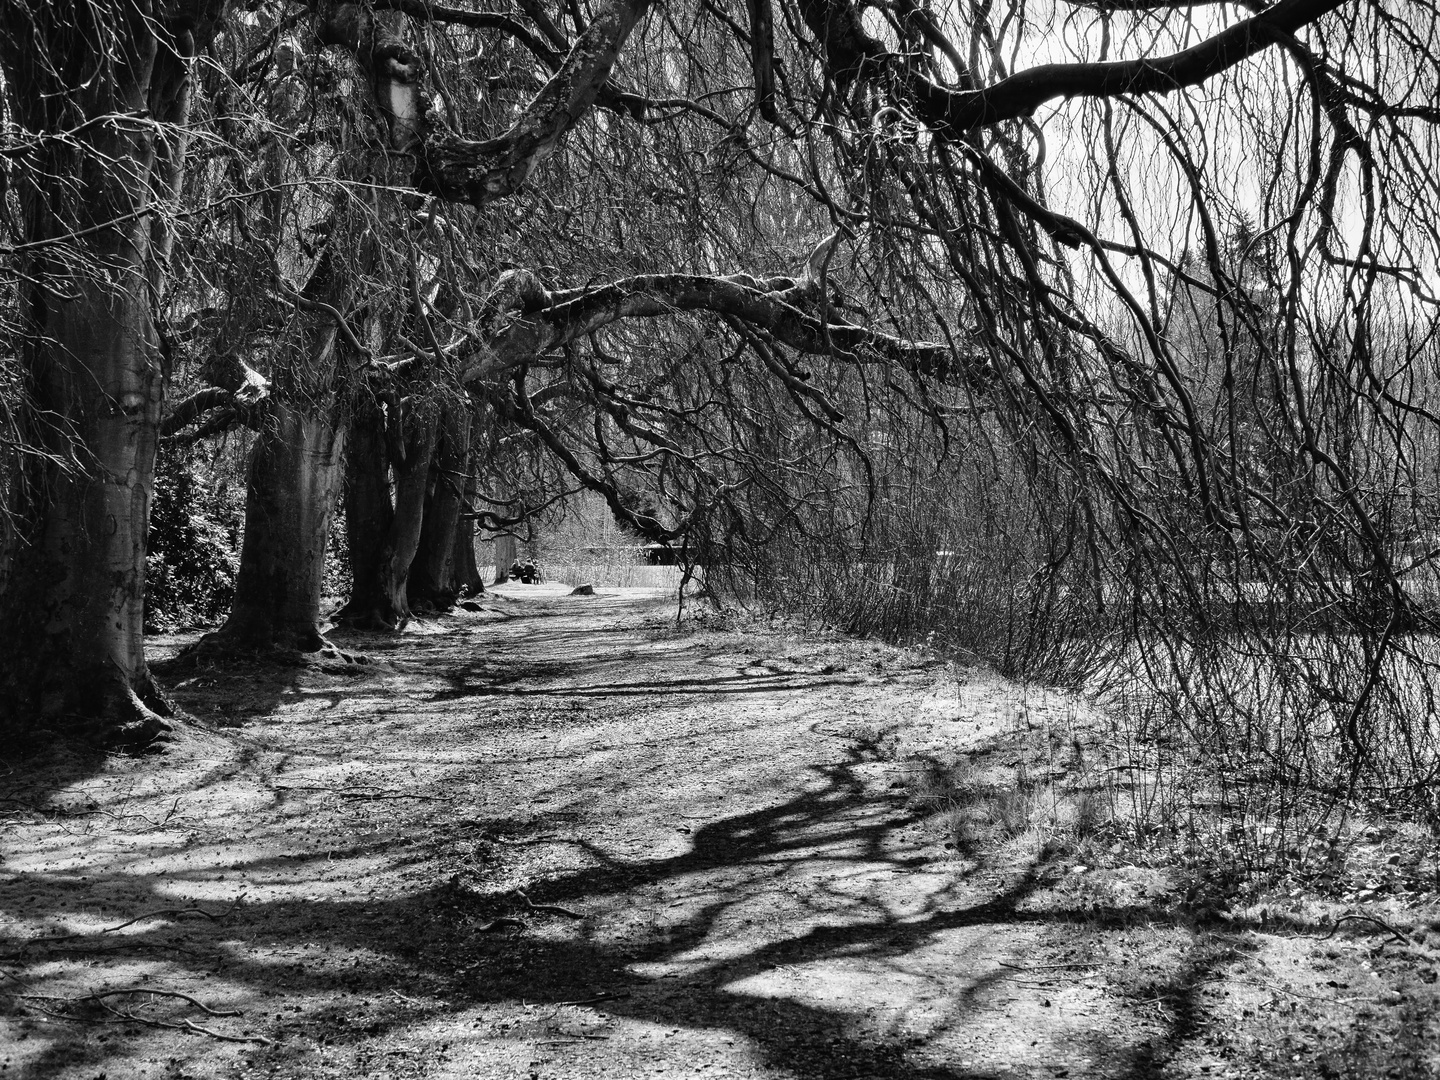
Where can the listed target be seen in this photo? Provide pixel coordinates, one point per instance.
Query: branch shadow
(433, 941)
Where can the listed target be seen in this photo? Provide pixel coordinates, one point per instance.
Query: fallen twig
(194, 909)
(59, 811)
(360, 794)
(1045, 967)
(552, 909)
(593, 1000)
(500, 924)
(1370, 919)
(127, 992)
(394, 795)
(1277, 988)
(133, 990)
(129, 1016)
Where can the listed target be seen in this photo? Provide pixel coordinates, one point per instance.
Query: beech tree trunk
(384, 530)
(72, 577)
(468, 579)
(290, 497)
(73, 630)
(293, 482)
(505, 553)
(433, 584)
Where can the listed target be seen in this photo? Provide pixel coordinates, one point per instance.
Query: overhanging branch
(484, 171)
(549, 320)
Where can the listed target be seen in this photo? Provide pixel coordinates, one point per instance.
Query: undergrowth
(1104, 788)
(194, 547)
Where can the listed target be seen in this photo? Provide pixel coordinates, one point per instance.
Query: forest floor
(561, 837)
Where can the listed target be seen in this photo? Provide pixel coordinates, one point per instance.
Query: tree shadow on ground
(434, 942)
(434, 956)
(29, 782)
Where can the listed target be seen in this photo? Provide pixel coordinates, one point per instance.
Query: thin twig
(194, 909)
(1370, 919)
(553, 909)
(593, 1000)
(501, 923)
(128, 1016)
(358, 794)
(394, 795)
(1277, 988)
(184, 1025)
(127, 992)
(1045, 967)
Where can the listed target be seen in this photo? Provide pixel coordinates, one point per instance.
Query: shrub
(195, 523)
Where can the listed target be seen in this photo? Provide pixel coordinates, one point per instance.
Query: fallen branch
(1370, 919)
(552, 909)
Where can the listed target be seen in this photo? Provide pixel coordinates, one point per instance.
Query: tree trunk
(74, 595)
(294, 479)
(385, 534)
(433, 583)
(293, 482)
(468, 580)
(505, 553)
(72, 579)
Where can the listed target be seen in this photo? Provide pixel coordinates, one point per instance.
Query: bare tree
(772, 267)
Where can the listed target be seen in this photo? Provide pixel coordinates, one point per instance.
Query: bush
(195, 524)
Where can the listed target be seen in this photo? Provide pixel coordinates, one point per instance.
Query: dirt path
(558, 838)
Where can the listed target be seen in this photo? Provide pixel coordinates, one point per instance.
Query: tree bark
(74, 597)
(290, 497)
(505, 554)
(384, 533)
(72, 578)
(293, 483)
(468, 579)
(432, 583)
(488, 170)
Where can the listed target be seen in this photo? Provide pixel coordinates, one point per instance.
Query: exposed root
(380, 617)
(312, 649)
(137, 718)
